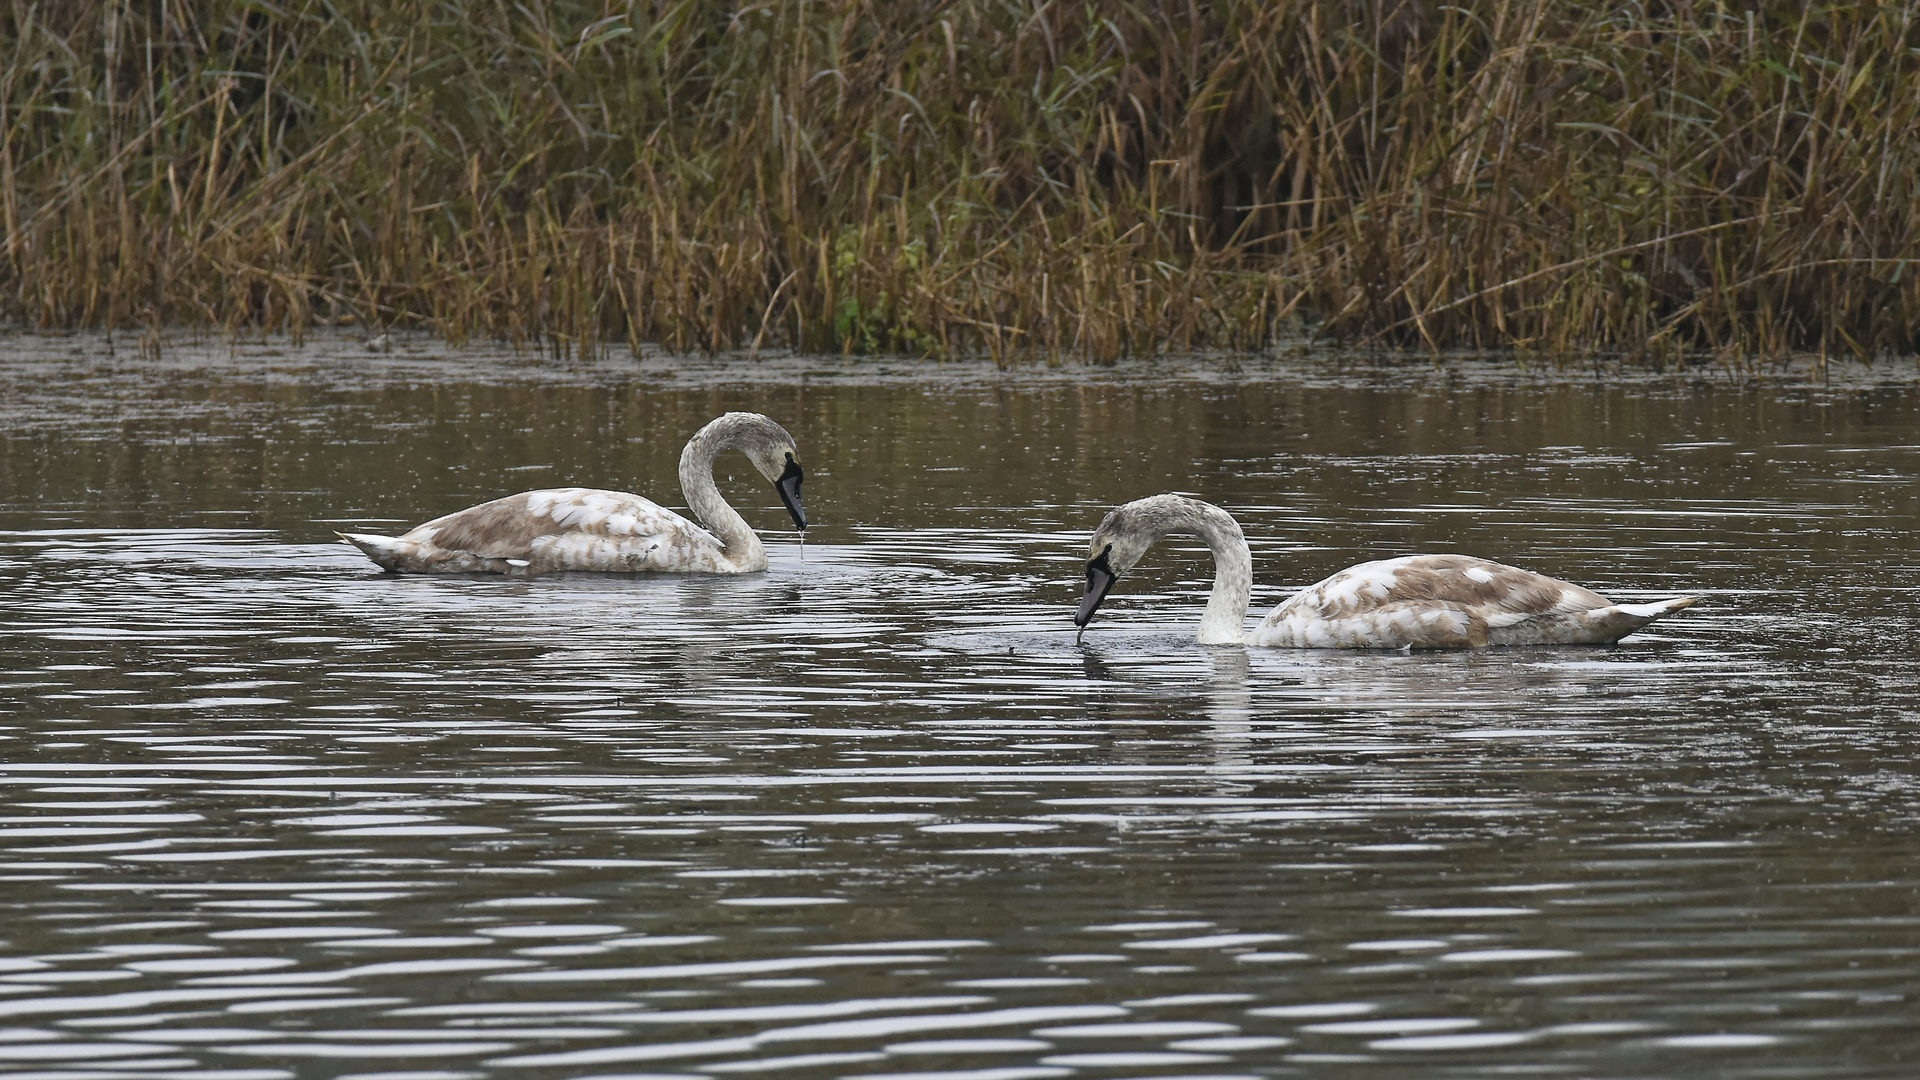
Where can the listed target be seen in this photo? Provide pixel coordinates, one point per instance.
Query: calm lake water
(266, 812)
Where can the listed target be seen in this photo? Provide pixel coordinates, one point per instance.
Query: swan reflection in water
(1297, 698)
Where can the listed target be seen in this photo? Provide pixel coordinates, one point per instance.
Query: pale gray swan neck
(738, 542)
(1224, 622)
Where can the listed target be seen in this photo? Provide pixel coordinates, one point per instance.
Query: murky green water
(265, 812)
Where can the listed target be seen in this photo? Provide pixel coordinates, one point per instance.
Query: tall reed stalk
(1028, 177)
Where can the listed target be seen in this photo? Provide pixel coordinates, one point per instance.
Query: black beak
(1100, 578)
(789, 489)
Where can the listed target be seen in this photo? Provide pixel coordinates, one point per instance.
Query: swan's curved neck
(738, 542)
(1225, 621)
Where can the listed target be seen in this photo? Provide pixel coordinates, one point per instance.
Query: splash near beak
(1100, 578)
(789, 489)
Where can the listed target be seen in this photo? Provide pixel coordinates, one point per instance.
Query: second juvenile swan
(589, 529)
(1415, 601)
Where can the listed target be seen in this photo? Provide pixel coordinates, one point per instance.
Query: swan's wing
(508, 528)
(1423, 600)
(1491, 590)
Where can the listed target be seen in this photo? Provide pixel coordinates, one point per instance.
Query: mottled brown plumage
(1449, 601)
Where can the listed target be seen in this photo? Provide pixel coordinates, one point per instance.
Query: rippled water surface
(266, 812)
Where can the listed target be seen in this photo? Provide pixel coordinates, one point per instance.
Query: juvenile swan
(1415, 601)
(589, 529)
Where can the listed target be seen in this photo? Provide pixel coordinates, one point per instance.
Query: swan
(590, 529)
(1415, 601)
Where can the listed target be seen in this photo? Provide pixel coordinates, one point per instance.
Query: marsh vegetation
(1025, 177)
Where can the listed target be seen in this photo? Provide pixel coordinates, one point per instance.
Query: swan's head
(1121, 540)
(774, 453)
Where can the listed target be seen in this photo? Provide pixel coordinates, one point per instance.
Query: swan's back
(553, 529)
(1450, 602)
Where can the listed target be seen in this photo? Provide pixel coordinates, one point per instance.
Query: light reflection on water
(267, 813)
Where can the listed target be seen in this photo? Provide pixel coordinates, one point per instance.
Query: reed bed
(1085, 178)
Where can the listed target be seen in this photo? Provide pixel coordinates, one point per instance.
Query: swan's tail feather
(387, 551)
(1618, 621)
(398, 555)
(1658, 608)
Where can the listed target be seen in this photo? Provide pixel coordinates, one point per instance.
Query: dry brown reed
(1029, 177)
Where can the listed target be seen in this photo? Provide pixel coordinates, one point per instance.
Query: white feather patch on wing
(1355, 586)
(1571, 602)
